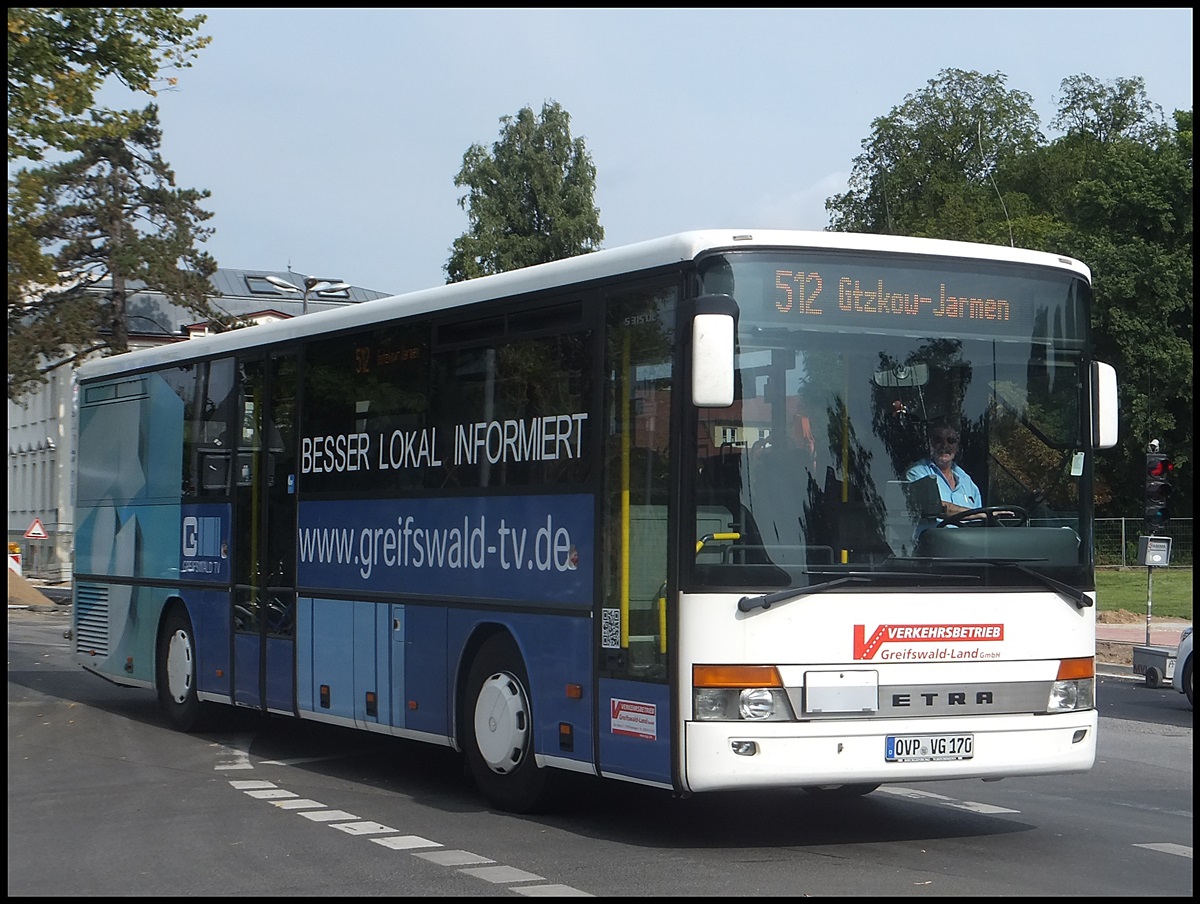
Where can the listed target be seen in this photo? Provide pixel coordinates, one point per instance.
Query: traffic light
(1159, 470)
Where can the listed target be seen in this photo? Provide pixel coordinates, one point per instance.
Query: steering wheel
(992, 515)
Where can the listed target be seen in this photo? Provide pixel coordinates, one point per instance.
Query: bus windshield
(911, 422)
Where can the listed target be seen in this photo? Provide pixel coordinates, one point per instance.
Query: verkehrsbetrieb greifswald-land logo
(948, 635)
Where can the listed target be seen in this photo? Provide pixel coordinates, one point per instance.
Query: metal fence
(1117, 541)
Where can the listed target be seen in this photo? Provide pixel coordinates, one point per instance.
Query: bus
(644, 514)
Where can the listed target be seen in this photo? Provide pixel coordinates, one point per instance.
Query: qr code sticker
(610, 629)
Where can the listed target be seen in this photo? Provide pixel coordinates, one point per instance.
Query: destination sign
(933, 297)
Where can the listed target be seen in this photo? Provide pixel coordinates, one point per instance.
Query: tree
(111, 215)
(927, 168)
(1119, 183)
(529, 201)
(59, 58)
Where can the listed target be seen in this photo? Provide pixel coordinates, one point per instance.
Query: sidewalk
(1115, 643)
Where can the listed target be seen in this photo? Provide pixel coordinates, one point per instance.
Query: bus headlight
(749, 704)
(1069, 696)
(739, 693)
(1074, 687)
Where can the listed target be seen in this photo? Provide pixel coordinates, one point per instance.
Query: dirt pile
(1120, 617)
(23, 593)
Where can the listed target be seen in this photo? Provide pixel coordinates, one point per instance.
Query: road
(104, 799)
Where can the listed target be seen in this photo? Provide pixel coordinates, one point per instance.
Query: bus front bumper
(741, 755)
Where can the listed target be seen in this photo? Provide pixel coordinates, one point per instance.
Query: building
(42, 426)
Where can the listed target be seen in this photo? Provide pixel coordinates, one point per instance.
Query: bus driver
(958, 491)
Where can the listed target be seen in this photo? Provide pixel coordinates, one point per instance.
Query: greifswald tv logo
(201, 537)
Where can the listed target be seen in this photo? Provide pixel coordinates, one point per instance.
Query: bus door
(264, 515)
(633, 699)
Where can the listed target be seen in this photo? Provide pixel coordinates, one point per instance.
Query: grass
(1125, 588)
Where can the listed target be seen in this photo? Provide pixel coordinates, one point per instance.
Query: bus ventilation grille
(91, 619)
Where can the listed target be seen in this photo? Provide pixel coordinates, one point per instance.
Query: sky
(330, 138)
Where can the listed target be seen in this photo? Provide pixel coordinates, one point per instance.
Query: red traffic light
(1159, 467)
(1159, 470)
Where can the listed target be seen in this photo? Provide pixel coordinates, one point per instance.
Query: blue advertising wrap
(532, 549)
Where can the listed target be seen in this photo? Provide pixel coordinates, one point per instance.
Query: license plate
(927, 748)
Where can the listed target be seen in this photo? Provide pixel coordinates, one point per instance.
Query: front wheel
(832, 791)
(499, 728)
(175, 672)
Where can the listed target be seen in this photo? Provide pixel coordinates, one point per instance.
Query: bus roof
(642, 256)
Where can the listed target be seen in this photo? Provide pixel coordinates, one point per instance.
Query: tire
(499, 729)
(834, 791)
(175, 672)
(1153, 677)
(1187, 681)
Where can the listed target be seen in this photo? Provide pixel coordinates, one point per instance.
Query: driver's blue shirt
(965, 493)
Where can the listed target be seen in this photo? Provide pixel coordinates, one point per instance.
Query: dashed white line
(271, 794)
(970, 805)
(973, 807)
(550, 891)
(501, 874)
(452, 858)
(1165, 847)
(406, 842)
(329, 816)
(364, 828)
(298, 803)
(471, 864)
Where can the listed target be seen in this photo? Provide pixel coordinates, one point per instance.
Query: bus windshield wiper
(767, 600)
(1078, 597)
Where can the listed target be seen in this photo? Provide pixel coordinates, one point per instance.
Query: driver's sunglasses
(945, 440)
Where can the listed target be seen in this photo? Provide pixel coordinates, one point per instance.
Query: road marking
(300, 803)
(551, 891)
(969, 805)
(495, 873)
(236, 754)
(499, 874)
(406, 842)
(1166, 847)
(329, 816)
(363, 828)
(973, 807)
(453, 858)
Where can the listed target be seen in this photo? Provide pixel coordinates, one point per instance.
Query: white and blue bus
(645, 514)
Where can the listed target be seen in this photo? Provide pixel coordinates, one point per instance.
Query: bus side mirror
(1104, 405)
(714, 327)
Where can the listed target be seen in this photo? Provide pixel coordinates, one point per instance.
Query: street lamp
(310, 283)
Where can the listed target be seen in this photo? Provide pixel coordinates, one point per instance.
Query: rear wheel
(1153, 677)
(175, 671)
(499, 729)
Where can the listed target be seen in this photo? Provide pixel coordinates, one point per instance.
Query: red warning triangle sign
(36, 531)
